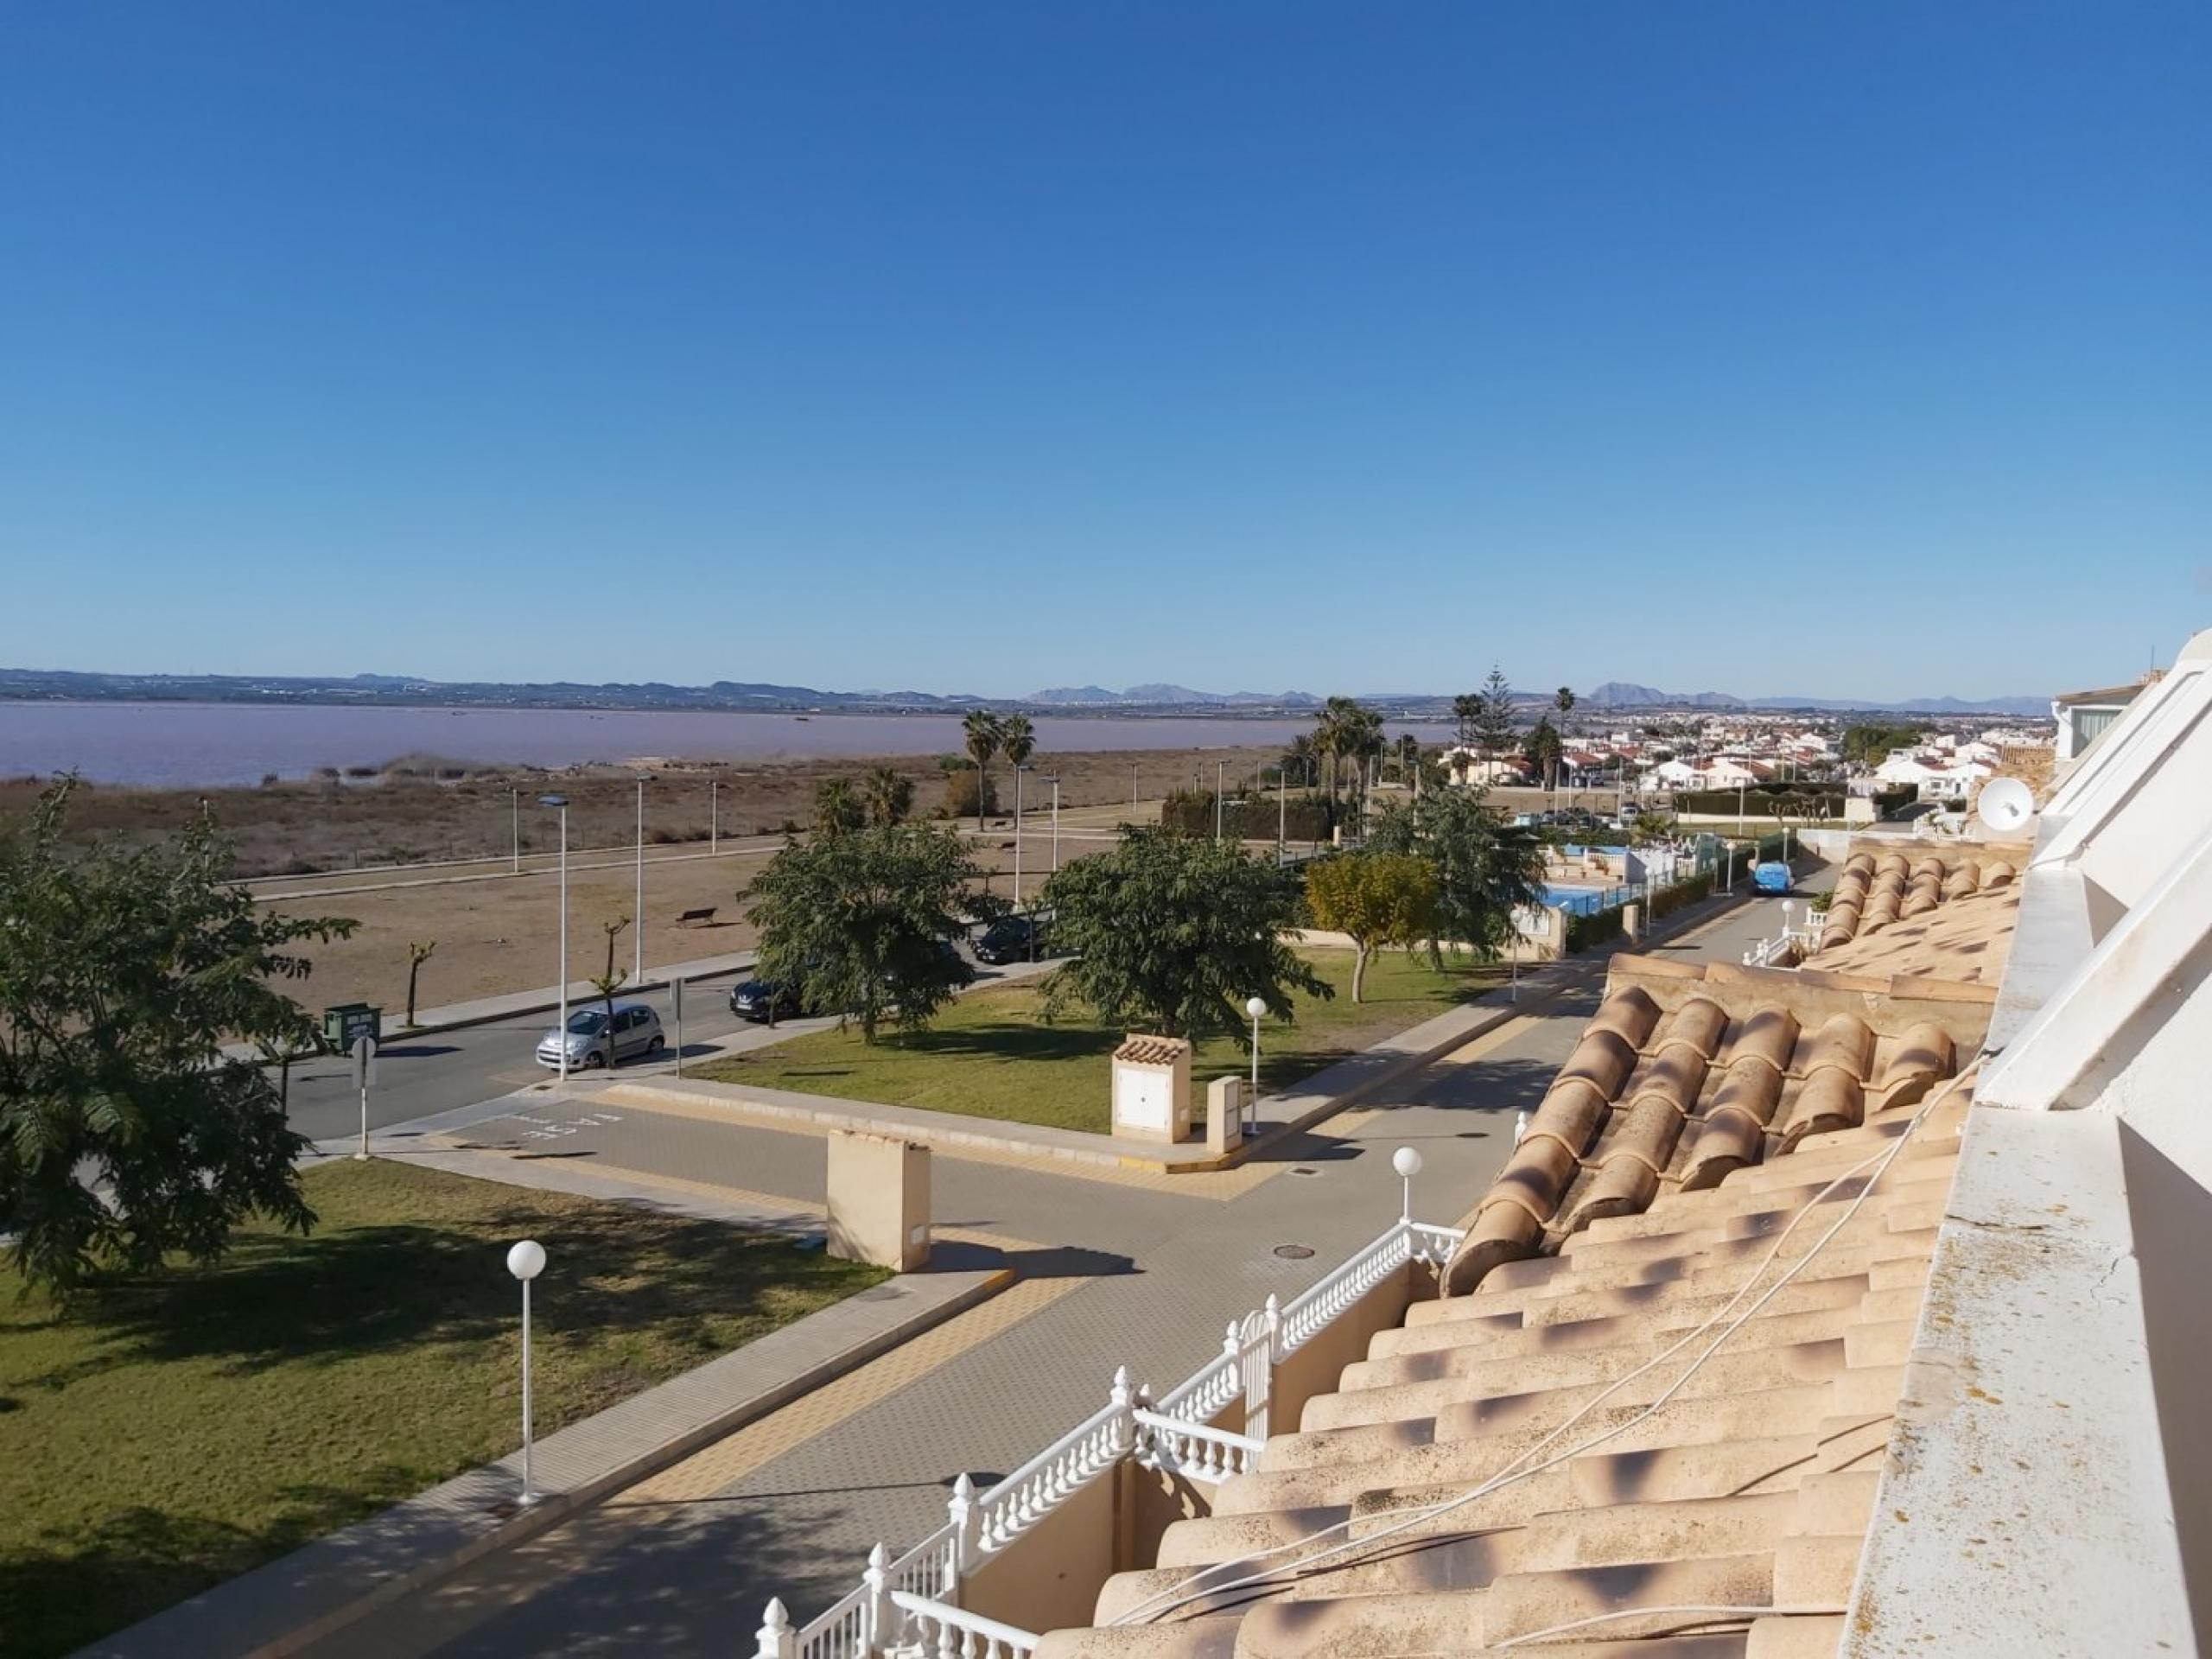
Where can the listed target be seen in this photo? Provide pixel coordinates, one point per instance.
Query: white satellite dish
(2006, 806)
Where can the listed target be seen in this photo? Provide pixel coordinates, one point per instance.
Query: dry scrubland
(421, 808)
(498, 934)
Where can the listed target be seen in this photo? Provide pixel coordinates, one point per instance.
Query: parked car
(594, 1041)
(1011, 939)
(763, 1001)
(1773, 876)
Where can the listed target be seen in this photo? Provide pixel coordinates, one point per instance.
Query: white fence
(910, 1608)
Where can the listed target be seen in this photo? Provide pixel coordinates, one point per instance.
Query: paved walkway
(1146, 1270)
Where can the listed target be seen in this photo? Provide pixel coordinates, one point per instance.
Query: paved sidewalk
(685, 1565)
(317, 1590)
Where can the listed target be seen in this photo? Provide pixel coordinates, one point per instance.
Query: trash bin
(346, 1022)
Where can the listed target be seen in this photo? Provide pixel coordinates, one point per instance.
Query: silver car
(594, 1041)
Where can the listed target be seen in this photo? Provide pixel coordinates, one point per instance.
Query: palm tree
(1298, 757)
(837, 807)
(1017, 741)
(982, 729)
(1409, 762)
(1563, 699)
(889, 794)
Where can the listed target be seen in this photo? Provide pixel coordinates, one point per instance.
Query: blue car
(1772, 877)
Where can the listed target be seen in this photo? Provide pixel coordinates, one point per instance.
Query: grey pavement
(1162, 1274)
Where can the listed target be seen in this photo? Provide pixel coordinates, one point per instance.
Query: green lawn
(164, 1434)
(991, 1055)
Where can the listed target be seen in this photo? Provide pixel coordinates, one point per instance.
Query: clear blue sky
(1857, 348)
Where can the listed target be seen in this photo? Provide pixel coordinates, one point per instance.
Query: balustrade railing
(909, 1608)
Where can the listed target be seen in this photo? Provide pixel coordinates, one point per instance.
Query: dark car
(765, 1001)
(1011, 939)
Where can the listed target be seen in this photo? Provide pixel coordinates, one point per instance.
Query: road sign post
(676, 995)
(365, 1073)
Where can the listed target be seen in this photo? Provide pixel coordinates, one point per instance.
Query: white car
(593, 1042)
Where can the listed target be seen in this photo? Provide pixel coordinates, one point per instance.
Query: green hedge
(1761, 799)
(1247, 817)
(1667, 900)
(1583, 932)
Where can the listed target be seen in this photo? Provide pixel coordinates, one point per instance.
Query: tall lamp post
(526, 1261)
(1219, 766)
(514, 828)
(1407, 1161)
(714, 815)
(1018, 770)
(561, 803)
(1254, 1006)
(1055, 781)
(637, 920)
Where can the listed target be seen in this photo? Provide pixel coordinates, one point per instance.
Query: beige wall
(1049, 1578)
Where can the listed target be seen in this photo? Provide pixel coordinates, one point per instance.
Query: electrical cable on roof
(1506, 1475)
(1697, 1612)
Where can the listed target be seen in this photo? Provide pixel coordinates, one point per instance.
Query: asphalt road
(437, 1071)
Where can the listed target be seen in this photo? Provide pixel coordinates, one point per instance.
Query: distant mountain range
(1156, 695)
(1620, 694)
(401, 690)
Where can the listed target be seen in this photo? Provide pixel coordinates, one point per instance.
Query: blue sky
(1854, 349)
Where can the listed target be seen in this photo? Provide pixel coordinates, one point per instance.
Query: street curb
(556, 1509)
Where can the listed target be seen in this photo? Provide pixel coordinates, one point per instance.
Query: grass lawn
(164, 1434)
(990, 1054)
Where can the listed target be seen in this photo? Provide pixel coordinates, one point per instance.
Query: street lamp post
(637, 923)
(514, 828)
(1055, 781)
(1407, 1161)
(1219, 767)
(1282, 809)
(1256, 1006)
(562, 802)
(1133, 786)
(714, 815)
(526, 1261)
(1018, 770)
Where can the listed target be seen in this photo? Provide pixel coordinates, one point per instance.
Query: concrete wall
(1049, 1578)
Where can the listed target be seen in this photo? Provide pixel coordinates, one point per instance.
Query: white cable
(1505, 1475)
(1701, 1613)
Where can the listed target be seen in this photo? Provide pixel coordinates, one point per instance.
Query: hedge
(1247, 817)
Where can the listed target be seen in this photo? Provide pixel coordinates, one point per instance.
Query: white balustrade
(908, 1607)
(934, 1630)
(1197, 1450)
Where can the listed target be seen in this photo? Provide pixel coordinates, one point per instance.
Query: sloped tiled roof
(1568, 1452)
(1152, 1051)
(1921, 912)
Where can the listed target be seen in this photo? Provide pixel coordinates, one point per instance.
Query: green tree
(1544, 749)
(1176, 931)
(1486, 865)
(981, 730)
(1408, 753)
(1467, 712)
(888, 794)
(862, 922)
(1563, 699)
(1379, 899)
(838, 809)
(123, 973)
(1870, 744)
(1495, 725)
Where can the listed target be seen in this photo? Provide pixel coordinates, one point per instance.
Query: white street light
(1407, 1161)
(714, 815)
(562, 802)
(1219, 766)
(514, 828)
(1018, 770)
(638, 922)
(1256, 1006)
(526, 1261)
(1055, 781)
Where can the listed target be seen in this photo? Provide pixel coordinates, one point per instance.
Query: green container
(346, 1022)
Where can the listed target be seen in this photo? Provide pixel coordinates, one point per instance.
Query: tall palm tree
(1409, 760)
(982, 729)
(1563, 699)
(1299, 758)
(1017, 741)
(889, 794)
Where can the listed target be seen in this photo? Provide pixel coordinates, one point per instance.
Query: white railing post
(877, 1626)
(961, 1559)
(775, 1640)
(1123, 1400)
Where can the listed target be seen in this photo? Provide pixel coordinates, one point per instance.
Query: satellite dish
(2006, 806)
